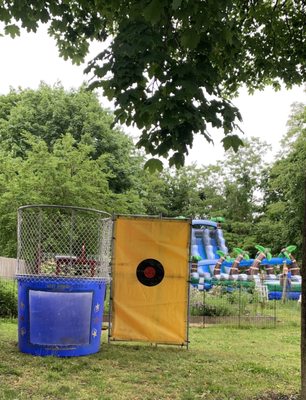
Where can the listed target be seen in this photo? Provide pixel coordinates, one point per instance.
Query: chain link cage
(63, 242)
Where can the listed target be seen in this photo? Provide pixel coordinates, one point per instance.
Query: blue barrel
(289, 295)
(60, 317)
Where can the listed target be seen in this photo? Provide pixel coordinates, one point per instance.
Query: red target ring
(150, 272)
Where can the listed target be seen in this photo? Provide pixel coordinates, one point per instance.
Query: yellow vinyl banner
(150, 280)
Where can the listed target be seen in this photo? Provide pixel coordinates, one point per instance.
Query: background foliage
(60, 147)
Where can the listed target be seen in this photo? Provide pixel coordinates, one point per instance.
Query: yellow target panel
(150, 280)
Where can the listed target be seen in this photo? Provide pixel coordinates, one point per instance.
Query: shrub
(8, 299)
(212, 306)
(210, 310)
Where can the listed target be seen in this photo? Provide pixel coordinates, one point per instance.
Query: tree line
(61, 147)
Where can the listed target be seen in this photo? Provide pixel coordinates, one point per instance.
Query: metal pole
(275, 314)
(239, 309)
(204, 298)
(110, 297)
(71, 234)
(19, 224)
(39, 260)
(188, 285)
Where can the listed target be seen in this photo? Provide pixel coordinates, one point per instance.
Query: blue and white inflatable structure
(207, 238)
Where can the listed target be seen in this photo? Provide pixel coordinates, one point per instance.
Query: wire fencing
(63, 242)
(242, 306)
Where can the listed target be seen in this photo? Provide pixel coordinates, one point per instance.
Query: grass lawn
(221, 363)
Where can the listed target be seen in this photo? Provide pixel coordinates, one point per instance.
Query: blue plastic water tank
(60, 317)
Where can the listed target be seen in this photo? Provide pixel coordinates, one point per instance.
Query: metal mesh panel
(234, 305)
(63, 242)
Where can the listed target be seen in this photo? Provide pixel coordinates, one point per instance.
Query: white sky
(31, 58)
(265, 115)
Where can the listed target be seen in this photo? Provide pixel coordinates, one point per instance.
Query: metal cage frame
(61, 242)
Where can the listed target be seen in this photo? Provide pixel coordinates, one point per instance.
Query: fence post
(204, 298)
(239, 309)
(275, 314)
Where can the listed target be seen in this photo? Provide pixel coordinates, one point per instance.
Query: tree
(50, 112)
(242, 173)
(152, 189)
(283, 200)
(231, 188)
(182, 193)
(188, 191)
(240, 188)
(173, 65)
(66, 174)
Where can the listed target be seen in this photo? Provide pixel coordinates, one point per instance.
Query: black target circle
(150, 272)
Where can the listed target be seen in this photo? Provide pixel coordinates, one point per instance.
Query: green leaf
(286, 255)
(153, 11)
(260, 248)
(177, 159)
(12, 30)
(232, 141)
(196, 258)
(228, 36)
(218, 219)
(291, 248)
(154, 164)
(238, 251)
(190, 39)
(176, 4)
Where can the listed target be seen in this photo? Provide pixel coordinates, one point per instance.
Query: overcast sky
(31, 58)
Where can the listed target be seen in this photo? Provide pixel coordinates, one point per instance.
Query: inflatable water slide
(212, 265)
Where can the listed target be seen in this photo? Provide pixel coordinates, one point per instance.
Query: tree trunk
(234, 268)
(303, 320)
(254, 268)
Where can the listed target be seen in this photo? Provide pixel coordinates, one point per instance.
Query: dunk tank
(62, 271)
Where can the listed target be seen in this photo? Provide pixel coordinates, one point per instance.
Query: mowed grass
(221, 363)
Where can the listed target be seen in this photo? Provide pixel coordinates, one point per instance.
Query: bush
(211, 310)
(8, 299)
(213, 305)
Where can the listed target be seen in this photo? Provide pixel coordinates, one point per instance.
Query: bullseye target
(150, 272)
